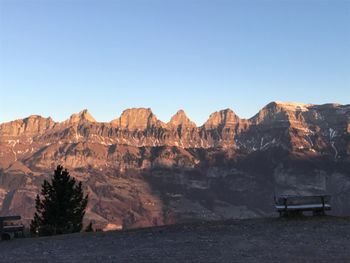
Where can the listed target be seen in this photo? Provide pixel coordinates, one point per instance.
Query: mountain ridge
(140, 171)
(275, 103)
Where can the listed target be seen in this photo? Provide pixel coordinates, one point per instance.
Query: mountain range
(140, 171)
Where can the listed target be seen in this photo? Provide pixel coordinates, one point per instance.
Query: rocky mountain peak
(30, 125)
(290, 106)
(137, 119)
(223, 118)
(83, 116)
(280, 111)
(34, 117)
(145, 163)
(181, 119)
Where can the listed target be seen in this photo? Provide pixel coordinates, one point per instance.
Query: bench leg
(319, 213)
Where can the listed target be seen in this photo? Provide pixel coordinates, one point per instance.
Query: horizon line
(85, 110)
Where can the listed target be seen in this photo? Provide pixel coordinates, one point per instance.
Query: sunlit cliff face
(141, 171)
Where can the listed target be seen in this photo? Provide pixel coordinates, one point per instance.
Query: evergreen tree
(62, 206)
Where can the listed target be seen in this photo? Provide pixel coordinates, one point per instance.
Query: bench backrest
(4, 219)
(9, 218)
(303, 200)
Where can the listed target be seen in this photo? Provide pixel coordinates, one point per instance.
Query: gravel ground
(254, 240)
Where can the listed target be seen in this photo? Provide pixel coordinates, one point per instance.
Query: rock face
(180, 120)
(140, 171)
(81, 117)
(137, 119)
(222, 119)
(33, 125)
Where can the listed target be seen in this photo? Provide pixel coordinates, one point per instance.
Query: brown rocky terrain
(140, 171)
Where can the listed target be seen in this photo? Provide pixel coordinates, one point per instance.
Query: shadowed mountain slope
(140, 171)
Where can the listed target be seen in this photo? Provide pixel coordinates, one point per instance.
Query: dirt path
(256, 240)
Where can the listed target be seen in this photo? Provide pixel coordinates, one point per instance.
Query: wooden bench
(9, 228)
(296, 205)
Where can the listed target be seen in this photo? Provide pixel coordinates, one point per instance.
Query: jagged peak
(35, 117)
(278, 110)
(145, 111)
(30, 118)
(225, 117)
(292, 106)
(83, 116)
(137, 118)
(30, 125)
(180, 118)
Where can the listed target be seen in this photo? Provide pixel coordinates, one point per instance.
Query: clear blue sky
(59, 57)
